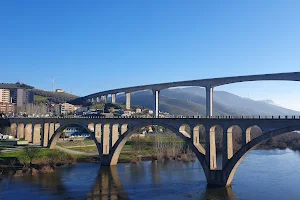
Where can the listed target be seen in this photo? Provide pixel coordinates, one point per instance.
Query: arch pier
(202, 135)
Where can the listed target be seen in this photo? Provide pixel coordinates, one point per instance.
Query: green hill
(52, 97)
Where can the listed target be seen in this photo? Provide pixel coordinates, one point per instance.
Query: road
(76, 152)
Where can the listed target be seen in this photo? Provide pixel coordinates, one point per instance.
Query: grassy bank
(40, 156)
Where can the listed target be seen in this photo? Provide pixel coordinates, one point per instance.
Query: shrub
(56, 157)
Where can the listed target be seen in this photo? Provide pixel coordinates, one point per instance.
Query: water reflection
(108, 185)
(50, 183)
(148, 180)
(259, 177)
(218, 193)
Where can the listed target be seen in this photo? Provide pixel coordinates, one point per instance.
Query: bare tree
(33, 109)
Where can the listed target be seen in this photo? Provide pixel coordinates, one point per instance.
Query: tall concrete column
(209, 101)
(211, 154)
(227, 145)
(97, 100)
(51, 130)
(28, 132)
(46, 134)
(104, 98)
(13, 129)
(156, 103)
(113, 98)
(247, 135)
(106, 139)
(37, 134)
(98, 132)
(128, 101)
(195, 135)
(115, 133)
(20, 133)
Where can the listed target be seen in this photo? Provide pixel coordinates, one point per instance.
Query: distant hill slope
(54, 97)
(191, 101)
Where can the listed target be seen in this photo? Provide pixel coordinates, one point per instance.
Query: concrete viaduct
(111, 134)
(208, 84)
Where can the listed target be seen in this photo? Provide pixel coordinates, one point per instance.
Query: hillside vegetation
(53, 97)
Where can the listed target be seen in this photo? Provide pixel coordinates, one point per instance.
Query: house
(127, 112)
(138, 110)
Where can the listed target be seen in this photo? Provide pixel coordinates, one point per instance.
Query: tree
(31, 153)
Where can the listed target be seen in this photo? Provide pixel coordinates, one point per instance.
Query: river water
(264, 174)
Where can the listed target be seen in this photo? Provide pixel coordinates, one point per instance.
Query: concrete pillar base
(106, 160)
(217, 178)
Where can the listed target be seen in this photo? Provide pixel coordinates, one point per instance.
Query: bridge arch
(58, 133)
(237, 158)
(116, 149)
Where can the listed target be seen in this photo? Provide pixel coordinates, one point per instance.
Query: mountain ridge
(191, 101)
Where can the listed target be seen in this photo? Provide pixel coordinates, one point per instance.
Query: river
(264, 174)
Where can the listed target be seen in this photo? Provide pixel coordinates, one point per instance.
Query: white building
(4, 96)
(138, 110)
(66, 108)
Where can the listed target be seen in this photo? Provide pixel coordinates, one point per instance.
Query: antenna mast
(52, 83)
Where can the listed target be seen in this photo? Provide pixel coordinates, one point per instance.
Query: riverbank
(23, 162)
(32, 161)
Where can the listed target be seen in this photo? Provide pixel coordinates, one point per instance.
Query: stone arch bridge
(111, 134)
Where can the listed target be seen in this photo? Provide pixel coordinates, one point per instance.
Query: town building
(4, 95)
(70, 130)
(127, 113)
(21, 96)
(138, 110)
(80, 110)
(66, 108)
(7, 108)
(59, 90)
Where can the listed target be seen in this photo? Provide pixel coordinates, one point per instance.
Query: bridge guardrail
(171, 117)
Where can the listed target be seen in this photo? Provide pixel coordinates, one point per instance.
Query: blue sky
(90, 46)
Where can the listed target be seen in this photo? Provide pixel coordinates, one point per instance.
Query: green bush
(56, 157)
